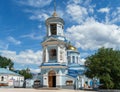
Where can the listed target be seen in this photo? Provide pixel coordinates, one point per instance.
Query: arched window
(69, 60)
(73, 58)
(2, 78)
(77, 60)
(53, 54)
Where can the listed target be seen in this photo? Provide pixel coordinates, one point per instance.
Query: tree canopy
(6, 63)
(105, 65)
(26, 73)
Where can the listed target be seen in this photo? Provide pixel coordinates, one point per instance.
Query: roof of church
(55, 19)
(8, 72)
(53, 64)
(76, 69)
(60, 38)
(76, 65)
(75, 73)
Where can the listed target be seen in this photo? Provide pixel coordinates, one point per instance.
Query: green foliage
(26, 73)
(5, 62)
(105, 64)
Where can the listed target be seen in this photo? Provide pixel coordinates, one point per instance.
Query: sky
(89, 25)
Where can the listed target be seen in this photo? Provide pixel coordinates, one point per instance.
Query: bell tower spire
(55, 5)
(54, 13)
(55, 25)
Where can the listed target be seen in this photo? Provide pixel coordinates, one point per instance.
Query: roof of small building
(8, 72)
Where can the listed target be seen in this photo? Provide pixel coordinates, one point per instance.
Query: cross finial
(54, 5)
(54, 14)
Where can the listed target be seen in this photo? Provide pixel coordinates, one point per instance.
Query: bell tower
(54, 44)
(55, 25)
(54, 63)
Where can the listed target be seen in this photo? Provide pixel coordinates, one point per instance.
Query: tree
(26, 73)
(6, 63)
(105, 65)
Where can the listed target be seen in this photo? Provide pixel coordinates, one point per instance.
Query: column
(49, 31)
(58, 54)
(71, 59)
(47, 55)
(75, 59)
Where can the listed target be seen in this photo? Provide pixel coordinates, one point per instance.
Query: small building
(10, 79)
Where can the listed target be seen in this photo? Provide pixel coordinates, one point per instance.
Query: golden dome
(70, 47)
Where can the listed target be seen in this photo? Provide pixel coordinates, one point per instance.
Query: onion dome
(70, 47)
(54, 19)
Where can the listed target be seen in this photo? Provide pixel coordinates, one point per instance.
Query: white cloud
(75, 1)
(91, 9)
(3, 45)
(84, 54)
(104, 10)
(33, 36)
(82, 2)
(35, 3)
(23, 57)
(39, 17)
(77, 12)
(82, 61)
(112, 16)
(35, 70)
(13, 40)
(93, 35)
(38, 14)
(115, 16)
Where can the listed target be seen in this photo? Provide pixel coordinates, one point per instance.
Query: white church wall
(45, 80)
(60, 29)
(58, 78)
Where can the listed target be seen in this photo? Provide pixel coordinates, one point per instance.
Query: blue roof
(76, 65)
(76, 69)
(52, 64)
(6, 71)
(75, 73)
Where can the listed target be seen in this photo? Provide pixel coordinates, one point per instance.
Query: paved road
(38, 90)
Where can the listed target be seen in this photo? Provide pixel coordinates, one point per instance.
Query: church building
(61, 60)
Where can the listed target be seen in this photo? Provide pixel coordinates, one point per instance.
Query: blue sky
(89, 24)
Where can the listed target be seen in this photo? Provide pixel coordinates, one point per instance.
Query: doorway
(52, 79)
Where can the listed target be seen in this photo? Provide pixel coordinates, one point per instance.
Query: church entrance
(52, 79)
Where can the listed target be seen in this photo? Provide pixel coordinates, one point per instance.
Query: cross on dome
(54, 14)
